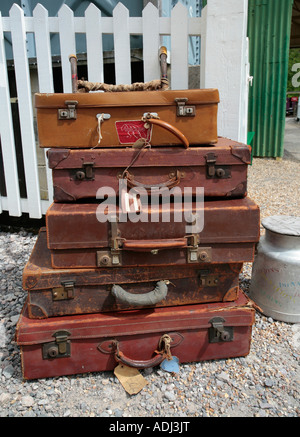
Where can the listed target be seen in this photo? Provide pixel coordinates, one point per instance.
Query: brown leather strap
(170, 183)
(139, 364)
(164, 346)
(182, 138)
(149, 245)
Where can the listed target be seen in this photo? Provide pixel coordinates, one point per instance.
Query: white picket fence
(151, 26)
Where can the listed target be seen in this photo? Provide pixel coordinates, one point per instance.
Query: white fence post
(7, 137)
(122, 44)
(67, 44)
(223, 48)
(18, 33)
(151, 43)
(179, 47)
(44, 66)
(93, 26)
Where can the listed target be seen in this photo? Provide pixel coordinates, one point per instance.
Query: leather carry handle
(170, 183)
(151, 298)
(162, 353)
(154, 245)
(139, 364)
(182, 138)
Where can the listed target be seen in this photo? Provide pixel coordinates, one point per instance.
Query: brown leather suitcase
(221, 170)
(77, 239)
(55, 292)
(119, 119)
(143, 338)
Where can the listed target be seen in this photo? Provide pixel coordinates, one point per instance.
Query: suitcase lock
(112, 257)
(86, 172)
(68, 113)
(218, 333)
(216, 171)
(59, 348)
(64, 292)
(183, 110)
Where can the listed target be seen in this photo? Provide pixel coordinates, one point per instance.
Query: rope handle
(84, 86)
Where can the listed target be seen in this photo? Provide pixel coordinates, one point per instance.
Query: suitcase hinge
(59, 348)
(183, 110)
(218, 333)
(216, 171)
(68, 113)
(207, 279)
(66, 291)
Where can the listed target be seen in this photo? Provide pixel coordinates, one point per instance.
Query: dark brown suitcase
(77, 239)
(54, 292)
(143, 338)
(221, 170)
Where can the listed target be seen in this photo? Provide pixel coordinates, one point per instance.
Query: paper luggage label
(132, 130)
(130, 378)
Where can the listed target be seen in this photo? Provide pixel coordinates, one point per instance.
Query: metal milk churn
(275, 283)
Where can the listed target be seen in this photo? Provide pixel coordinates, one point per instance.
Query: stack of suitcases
(114, 278)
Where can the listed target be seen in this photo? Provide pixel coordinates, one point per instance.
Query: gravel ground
(263, 384)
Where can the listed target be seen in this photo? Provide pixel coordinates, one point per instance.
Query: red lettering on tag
(132, 130)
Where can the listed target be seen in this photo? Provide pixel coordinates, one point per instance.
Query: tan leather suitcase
(162, 118)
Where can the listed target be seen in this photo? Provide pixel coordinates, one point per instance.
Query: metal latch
(68, 113)
(207, 279)
(216, 171)
(196, 254)
(210, 161)
(218, 333)
(112, 257)
(59, 348)
(87, 172)
(183, 110)
(66, 291)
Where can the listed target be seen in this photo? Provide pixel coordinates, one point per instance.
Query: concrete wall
(226, 66)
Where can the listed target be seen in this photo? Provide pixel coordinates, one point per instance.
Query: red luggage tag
(132, 130)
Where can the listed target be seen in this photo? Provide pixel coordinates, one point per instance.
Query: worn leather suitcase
(68, 345)
(55, 292)
(77, 239)
(119, 119)
(221, 170)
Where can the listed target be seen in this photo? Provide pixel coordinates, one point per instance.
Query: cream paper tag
(130, 378)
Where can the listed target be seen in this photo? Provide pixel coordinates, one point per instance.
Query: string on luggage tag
(166, 349)
(137, 144)
(100, 118)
